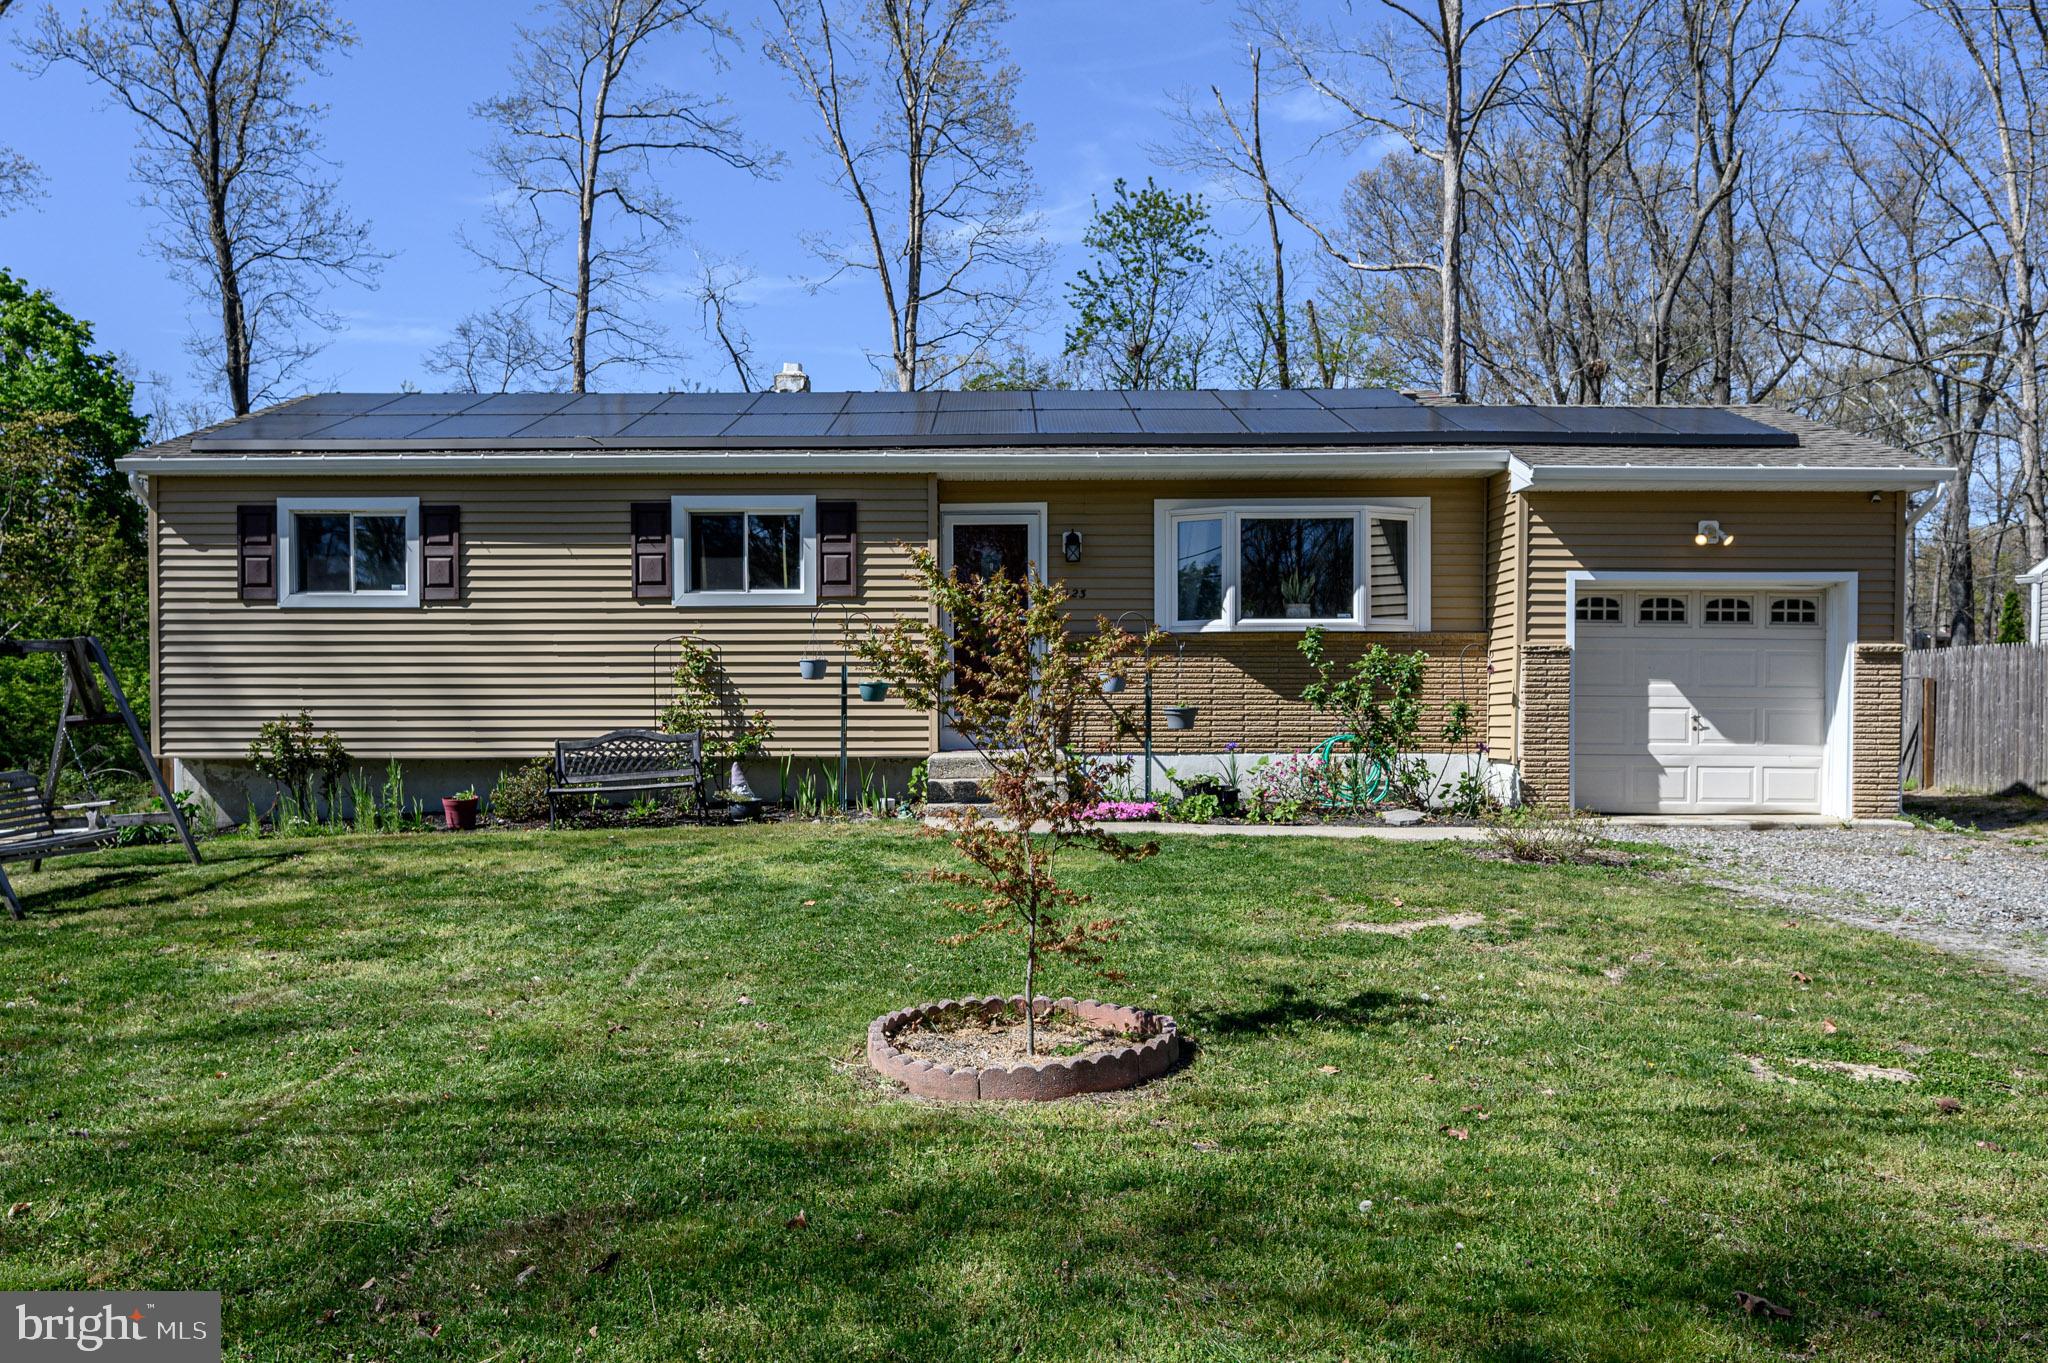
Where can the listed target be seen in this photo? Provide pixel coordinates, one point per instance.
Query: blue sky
(1098, 77)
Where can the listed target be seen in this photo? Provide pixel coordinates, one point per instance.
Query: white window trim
(679, 517)
(287, 557)
(1168, 512)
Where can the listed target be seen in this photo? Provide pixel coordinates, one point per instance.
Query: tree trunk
(586, 214)
(1451, 219)
(1279, 328)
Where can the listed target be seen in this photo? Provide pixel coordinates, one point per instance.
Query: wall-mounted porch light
(1710, 532)
(1070, 546)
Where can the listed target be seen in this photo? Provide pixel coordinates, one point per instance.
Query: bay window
(1273, 565)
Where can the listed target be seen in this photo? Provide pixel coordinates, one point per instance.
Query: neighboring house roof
(1007, 434)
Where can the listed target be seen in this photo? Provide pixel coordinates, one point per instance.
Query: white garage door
(1698, 702)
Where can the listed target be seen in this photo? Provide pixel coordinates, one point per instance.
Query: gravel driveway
(1975, 895)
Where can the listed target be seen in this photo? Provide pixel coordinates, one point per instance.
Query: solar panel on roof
(373, 427)
(1277, 421)
(276, 426)
(429, 404)
(1503, 421)
(678, 425)
(795, 425)
(732, 403)
(1100, 422)
(1078, 400)
(985, 402)
(1167, 399)
(892, 402)
(590, 425)
(1188, 421)
(540, 404)
(881, 425)
(983, 423)
(1360, 397)
(353, 404)
(1281, 398)
(477, 426)
(1715, 421)
(794, 403)
(613, 403)
(1396, 422)
(1607, 421)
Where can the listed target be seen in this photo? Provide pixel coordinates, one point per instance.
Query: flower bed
(1154, 1045)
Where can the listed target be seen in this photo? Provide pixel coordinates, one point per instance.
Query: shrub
(1529, 833)
(706, 701)
(521, 794)
(287, 751)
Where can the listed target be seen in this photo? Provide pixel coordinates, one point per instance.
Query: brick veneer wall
(1879, 669)
(1546, 746)
(1247, 688)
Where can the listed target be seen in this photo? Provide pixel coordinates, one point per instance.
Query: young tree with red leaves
(1019, 688)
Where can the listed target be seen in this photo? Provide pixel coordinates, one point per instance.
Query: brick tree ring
(1155, 1047)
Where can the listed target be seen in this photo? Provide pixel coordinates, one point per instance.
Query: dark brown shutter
(256, 572)
(838, 549)
(653, 540)
(440, 553)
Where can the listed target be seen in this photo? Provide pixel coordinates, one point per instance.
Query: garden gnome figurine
(736, 783)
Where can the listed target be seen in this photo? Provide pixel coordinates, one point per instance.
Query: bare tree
(20, 181)
(1231, 145)
(1994, 164)
(1435, 77)
(718, 288)
(229, 156)
(916, 102)
(582, 223)
(495, 351)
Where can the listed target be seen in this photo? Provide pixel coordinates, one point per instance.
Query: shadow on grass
(167, 883)
(1289, 1007)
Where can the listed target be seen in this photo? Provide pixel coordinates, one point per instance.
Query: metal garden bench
(629, 760)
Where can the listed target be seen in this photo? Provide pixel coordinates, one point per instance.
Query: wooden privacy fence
(1976, 719)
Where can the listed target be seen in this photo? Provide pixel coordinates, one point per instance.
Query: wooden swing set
(33, 826)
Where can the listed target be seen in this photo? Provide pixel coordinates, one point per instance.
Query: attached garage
(1707, 699)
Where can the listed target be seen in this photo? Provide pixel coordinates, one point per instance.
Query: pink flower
(1122, 811)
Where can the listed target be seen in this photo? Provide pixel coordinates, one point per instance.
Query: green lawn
(530, 1096)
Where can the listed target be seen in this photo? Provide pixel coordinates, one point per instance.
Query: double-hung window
(356, 551)
(1279, 565)
(746, 551)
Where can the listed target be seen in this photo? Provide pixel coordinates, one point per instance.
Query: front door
(981, 542)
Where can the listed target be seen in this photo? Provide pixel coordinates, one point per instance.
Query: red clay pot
(459, 815)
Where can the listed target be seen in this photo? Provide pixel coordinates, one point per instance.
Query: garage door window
(1795, 610)
(1600, 610)
(1661, 610)
(1727, 610)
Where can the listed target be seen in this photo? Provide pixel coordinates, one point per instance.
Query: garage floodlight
(1710, 532)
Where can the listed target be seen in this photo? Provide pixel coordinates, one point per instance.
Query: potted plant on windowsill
(458, 811)
(1297, 597)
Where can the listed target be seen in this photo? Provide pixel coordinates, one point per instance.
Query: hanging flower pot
(874, 690)
(1111, 683)
(1180, 716)
(810, 669)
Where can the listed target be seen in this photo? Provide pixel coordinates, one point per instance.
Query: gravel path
(1974, 895)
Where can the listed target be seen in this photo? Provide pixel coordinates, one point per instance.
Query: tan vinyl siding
(1503, 605)
(547, 642)
(1653, 532)
(1248, 685)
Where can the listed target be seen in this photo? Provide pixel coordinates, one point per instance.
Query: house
(2033, 585)
(1667, 610)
